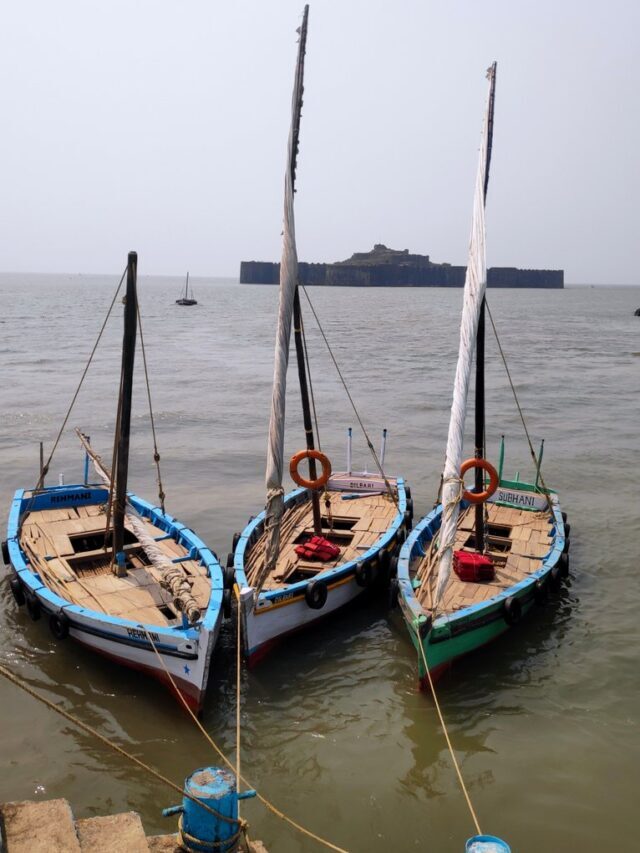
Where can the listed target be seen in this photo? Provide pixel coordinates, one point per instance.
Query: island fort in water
(384, 267)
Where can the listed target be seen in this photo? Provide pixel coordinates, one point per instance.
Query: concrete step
(119, 833)
(39, 827)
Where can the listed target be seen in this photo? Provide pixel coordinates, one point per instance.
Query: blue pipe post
(200, 829)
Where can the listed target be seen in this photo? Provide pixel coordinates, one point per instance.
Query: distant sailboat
(186, 299)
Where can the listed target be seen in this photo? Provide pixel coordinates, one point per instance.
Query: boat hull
(182, 653)
(451, 637)
(281, 612)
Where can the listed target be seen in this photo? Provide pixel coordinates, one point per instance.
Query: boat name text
(138, 634)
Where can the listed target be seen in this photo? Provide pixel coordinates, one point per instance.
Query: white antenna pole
(349, 440)
(383, 447)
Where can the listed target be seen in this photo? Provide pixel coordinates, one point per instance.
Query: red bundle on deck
(317, 548)
(473, 567)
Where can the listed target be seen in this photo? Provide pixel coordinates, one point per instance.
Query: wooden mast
(123, 425)
(297, 314)
(479, 400)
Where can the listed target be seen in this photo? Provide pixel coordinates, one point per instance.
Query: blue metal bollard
(486, 844)
(200, 829)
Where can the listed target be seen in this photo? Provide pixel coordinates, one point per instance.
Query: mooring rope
(448, 739)
(6, 673)
(269, 805)
(520, 412)
(353, 405)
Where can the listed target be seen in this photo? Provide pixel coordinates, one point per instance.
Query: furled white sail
(474, 290)
(288, 283)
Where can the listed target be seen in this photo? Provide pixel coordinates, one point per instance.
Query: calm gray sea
(544, 722)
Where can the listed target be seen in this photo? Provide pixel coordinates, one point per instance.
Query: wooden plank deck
(527, 541)
(84, 577)
(371, 515)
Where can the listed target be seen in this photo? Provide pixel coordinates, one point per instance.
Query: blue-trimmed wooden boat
(369, 529)
(506, 541)
(365, 517)
(113, 572)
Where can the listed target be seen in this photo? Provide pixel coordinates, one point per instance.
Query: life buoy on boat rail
(320, 481)
(480, 497)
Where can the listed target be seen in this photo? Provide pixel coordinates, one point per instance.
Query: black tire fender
(408, 520)
(563, 565)
(226, 604)
(365, 574)
(394, 592)
(229, 577)
(5, 552)
(393, 566)
(555, 578)
(410, 507)
(33, 606)
(384, 561)
(567, 531)
(512, 610)
(236, 539)
(567, 545)
(59, 625)
(315, 594)
(17, 590)
(402, 535)
(230, 559)
(540, 592)
(564, 516)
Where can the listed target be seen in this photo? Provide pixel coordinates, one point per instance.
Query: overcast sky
(162, 126)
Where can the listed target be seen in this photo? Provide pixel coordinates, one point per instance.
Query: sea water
(334, 732)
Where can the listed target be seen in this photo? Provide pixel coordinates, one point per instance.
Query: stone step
(39, 827)
(119, 833)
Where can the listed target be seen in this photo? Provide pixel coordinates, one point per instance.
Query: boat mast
(123, 425)
(297, 313)
(186, 288)
(479, 401)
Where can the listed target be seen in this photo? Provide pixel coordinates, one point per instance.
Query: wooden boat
(186, 299)
(507, 540)
(114, 572)
(364, 517)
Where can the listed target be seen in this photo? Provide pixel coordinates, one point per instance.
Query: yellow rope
(85, 727)
(446, 734)
(273, 809)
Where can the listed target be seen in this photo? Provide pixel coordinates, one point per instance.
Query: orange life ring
(480, 497)
(318, 483)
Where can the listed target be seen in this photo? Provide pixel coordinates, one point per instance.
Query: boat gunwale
(416, 538)
(337, 572)
(178, 531)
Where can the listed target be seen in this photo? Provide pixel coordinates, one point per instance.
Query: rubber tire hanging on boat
(555, 578)
(5, 552)
(365, 574)
(230, 559)
(236, 539)
(33, 606)
(567, 531)
(315, 594)
(394, 591)
(226, 603)
(567, 545)
(410, 507)
(59, 625)
(541, 592)
(393, 566)
(408, 519)
(228, 577)
(512, 610)
(384, 561)
(17, 591)
(563, 565)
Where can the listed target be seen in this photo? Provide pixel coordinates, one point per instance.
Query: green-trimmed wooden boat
(506, 541)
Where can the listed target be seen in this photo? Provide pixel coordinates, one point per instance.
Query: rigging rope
(308, 368)
(273, 809)
(520, 412)
(45, 469)
(156, 455)
(448, 739)
(353, 405)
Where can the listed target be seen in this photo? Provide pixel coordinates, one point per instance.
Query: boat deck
(517, 541)
(353, 525)
(66, 547)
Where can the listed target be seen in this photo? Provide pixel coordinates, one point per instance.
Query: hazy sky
(162, 126)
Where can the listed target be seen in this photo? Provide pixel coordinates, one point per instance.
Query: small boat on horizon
(112, 571)
(186, 299)
(316, 549)
(505, 540)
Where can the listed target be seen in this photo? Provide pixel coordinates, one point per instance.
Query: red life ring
(320, 481)
(480, 497)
